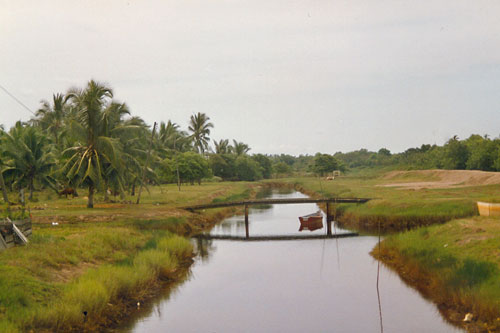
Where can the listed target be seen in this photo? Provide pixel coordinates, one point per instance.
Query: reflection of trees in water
(261, 207)
(264, 193)
(204, 249)
(230, 226)
(226, 226)
(284, 190)
(240, 225)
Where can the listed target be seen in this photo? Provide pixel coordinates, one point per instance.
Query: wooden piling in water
(328, 220)
(247, 233)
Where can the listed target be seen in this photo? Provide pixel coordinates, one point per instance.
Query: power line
(17, 100)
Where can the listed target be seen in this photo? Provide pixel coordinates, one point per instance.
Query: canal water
(318, 285)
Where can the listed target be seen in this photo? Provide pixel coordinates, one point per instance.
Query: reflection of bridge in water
(247, 203)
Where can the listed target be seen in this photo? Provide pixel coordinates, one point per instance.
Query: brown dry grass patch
(440, 178)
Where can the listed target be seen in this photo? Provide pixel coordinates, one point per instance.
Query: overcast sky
(293, 77)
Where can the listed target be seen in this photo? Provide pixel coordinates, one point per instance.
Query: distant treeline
(474, 153)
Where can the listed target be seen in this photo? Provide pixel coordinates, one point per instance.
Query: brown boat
(311, 222)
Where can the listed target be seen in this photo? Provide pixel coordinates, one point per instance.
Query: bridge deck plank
(275, 237)
(275, 201)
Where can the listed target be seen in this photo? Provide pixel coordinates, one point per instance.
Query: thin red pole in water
(378, 277)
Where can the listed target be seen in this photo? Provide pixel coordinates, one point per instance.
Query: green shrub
(472, 273)
(178, 246)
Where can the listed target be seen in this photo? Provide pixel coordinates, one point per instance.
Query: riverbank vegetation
(456, 265)
(102, 261)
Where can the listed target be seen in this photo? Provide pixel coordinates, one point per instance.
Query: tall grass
(97, 288)
(33, 294)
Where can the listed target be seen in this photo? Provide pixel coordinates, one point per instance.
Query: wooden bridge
(247, 203)
(274, 238)
(276, 201)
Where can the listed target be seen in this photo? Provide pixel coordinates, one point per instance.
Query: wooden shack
(10, 237)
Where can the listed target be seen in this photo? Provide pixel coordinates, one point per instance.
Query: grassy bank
(456, 265)
(103, 261)
(395, 208)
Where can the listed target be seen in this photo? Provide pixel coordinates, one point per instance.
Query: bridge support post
(247, 234)
(328, 220)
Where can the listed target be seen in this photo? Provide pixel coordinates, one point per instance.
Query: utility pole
(146, 164)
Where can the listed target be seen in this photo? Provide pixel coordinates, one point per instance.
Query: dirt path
(440, 178)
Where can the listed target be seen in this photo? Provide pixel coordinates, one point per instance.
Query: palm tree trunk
(31, 190)
(106, 193)
(90, 202)
(146, 164)
(4, 190)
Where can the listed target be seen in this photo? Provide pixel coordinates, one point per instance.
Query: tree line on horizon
(86, 139)
(474, 153)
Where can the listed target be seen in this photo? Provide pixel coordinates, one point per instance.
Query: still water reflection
(288, 286)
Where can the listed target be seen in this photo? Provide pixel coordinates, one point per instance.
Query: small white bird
(138, 304)
(55, 223)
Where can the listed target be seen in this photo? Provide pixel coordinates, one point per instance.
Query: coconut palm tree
(93, 152)
(166, 133)
(4, 189)
(29, 157)
(223, 147)
(2, 181)
(170, 139)
(199, 125)
(51, 118)
(134, 141)
(240, 148)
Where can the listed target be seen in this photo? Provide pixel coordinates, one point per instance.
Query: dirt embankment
(419, 179)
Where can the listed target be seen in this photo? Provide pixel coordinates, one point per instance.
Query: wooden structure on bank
(247, 203)
(14, 233)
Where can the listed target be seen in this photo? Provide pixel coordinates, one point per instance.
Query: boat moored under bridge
(247, 203)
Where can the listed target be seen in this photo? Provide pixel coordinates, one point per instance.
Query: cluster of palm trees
(85, 138)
